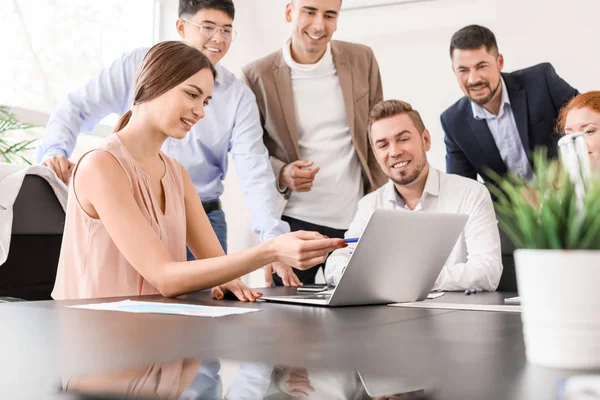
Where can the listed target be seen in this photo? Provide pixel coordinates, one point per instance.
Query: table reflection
(192, 379)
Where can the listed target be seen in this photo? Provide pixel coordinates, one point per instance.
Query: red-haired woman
(582, 114)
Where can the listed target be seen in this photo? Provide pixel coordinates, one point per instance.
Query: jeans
(217, 220)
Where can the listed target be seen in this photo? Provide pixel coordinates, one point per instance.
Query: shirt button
(510, 142)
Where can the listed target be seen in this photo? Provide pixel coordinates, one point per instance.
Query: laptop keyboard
(311, 296)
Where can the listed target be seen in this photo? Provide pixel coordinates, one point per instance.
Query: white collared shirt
(475, 261)
(503, 128)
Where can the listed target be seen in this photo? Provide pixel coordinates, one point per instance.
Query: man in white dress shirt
(400, 142)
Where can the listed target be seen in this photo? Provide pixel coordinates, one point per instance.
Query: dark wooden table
(452, 354)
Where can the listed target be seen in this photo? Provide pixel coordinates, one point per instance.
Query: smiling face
(587, 121)
(478, 73)
(313, 24)
(400, 149)
(197, 32)
(177, 110)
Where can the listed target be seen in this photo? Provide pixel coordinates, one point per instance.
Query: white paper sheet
(458, 306)
(167, 308)
(513, 300)
(435, 295)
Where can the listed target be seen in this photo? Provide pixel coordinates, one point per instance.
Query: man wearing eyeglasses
(314, 96)
(231, 124)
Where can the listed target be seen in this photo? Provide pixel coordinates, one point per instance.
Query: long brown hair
(165, 66)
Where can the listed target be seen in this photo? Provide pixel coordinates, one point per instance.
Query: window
(55, 46)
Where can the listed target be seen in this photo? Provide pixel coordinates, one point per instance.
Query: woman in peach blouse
(132, 210)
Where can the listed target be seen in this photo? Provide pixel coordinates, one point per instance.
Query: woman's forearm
(179, 278)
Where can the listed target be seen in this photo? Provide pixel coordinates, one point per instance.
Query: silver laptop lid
(398, 257)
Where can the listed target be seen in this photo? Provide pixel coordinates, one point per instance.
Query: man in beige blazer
(314, 96)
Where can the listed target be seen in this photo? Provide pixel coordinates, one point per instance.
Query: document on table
(148, 307)
(435, 295)
(458, 306)
(513, 300)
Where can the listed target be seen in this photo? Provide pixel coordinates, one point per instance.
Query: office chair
(508, 280)
(37, 229)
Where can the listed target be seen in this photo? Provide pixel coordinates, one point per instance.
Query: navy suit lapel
(482, 135)
(518, 104)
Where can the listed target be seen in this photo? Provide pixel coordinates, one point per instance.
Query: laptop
(390, 386)
(397, 259)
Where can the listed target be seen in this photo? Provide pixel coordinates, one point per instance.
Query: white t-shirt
(324, 138)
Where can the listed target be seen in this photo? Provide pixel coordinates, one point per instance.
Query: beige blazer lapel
(344, 71)
(283, 82)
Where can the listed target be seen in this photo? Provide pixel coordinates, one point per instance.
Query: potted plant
(557, 263)
(12, 149)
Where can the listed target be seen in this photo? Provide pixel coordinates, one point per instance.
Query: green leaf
(11, 151)
(550, 228)
(590, 239)
(512, 233)
(545, 214)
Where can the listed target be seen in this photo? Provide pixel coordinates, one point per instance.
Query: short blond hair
(390, 108)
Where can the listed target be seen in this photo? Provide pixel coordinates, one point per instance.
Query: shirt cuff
(281, 229)
(53, 152)
(281, 188)
(277, 165)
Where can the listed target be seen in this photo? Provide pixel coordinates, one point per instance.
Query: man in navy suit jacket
(503, 116)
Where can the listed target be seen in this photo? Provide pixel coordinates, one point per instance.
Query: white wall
(52, 47)
(411, 44)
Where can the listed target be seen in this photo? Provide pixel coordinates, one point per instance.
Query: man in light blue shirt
(503, 128)
(231, 123)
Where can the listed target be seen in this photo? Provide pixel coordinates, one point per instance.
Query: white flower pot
(560, 299)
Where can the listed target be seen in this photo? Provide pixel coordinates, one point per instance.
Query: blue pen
(351, 240)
